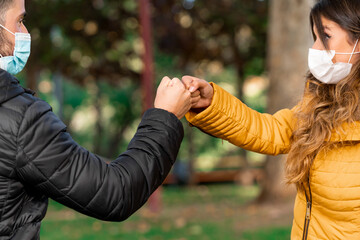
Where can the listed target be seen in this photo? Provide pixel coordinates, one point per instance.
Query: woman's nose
(318, 45)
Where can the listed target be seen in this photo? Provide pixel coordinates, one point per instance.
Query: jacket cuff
(201, 119)
(167, 118)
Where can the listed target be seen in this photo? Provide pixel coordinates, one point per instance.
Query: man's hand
(201, 91)
(173, 97)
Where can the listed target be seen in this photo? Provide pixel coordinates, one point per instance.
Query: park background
(98, 62)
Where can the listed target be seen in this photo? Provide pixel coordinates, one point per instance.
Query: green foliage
(75, 95)
(255, 66)
(231, 33)
(81, 39)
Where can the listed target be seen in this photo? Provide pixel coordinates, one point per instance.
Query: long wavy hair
(325, 107)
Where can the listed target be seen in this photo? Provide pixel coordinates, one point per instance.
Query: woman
(321, 134)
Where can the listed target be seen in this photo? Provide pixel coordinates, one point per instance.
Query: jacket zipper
(308, 212)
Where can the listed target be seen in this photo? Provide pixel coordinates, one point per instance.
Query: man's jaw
(6, 46)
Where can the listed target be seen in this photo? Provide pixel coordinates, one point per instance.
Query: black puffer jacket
(39, 159)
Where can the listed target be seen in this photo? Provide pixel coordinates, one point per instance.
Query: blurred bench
(241, 176)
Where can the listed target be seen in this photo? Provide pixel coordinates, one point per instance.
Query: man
(39, 159)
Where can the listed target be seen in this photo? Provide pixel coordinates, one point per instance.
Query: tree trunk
(147, 80)
(59, 95)
(288, 42)
(31, 77)
(98, 136)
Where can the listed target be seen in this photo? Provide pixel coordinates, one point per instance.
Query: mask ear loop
(353, 50)
(7, 29)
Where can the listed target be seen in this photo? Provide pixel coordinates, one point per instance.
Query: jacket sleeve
(230, 119)
(52, 163)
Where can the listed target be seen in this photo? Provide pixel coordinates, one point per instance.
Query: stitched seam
(61, 130)
(82, 169)
(215, 107)
(66, 158)
(117, 205)
(334, 160)
(21, 123)
(7, 91)
(15, 159)
(29, 160)
(17, 135)
(256, 136)
(149, 152)
(149, 148)
(10, 230)
(55, 172)
(26, 224)
(98, 190)
(51, 140)
(297, 224)
(13, 169)
(317, 171)
(321, 208)
(335, 200)
(142, 170)
(323, 185)
(7, 198)
(57, 190)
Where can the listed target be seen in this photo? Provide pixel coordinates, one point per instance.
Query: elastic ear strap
(353, 50)
(339, 53)
(7, 29)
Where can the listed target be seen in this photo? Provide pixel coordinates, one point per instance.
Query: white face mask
(324, 69)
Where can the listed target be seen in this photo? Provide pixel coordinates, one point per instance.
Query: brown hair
(325, 107)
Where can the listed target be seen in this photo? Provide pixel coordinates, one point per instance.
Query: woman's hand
(201, 91)
(173, 97)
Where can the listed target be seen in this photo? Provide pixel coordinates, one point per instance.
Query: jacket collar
(9, 86)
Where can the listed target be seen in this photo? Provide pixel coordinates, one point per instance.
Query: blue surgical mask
(15, 64)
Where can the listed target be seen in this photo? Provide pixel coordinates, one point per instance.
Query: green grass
(268, 234)
(89, 230)
(201, 213)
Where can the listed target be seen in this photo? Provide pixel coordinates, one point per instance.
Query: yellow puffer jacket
(334, 176)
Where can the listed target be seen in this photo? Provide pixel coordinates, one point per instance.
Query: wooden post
(147, 80)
